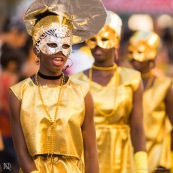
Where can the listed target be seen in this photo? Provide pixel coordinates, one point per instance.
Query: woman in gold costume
(117, 94)
(157, 100)
(51, 114)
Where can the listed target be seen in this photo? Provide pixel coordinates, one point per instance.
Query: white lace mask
(54, 41)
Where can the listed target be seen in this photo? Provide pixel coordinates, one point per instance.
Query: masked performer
(52, 114)
(157, 100)
(117, 94)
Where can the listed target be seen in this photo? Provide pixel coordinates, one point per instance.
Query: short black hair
(11, 55)
(9, 24)
(42, 15)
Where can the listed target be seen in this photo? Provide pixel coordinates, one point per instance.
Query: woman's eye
(93, 39)
(104, 39)
(65, 46)
(52, 45)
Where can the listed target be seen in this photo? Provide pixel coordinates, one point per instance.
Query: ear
(36, 51)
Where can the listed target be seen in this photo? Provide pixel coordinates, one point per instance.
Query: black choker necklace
(49, 77)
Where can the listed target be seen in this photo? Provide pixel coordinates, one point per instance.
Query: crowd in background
(17, 61)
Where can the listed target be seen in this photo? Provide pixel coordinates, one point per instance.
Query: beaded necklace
(105, 68)
(51, 133)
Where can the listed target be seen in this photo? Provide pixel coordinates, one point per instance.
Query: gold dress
(36, 125)
(113, 132)
(157, 125)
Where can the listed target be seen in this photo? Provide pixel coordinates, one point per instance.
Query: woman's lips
(98, 52)
(58, 61)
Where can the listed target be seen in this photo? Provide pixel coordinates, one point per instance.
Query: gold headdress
(109, 36)
(84, 17)
(144, 46)
(114, 22)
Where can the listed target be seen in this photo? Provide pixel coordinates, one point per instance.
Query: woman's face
(141, 66)
(55, 47)
(56, 40)
(107, 38)
(103, 44)
(139, 56)
(101, 55)
(52, 63)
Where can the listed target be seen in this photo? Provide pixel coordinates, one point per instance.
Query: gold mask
(143, 46)
(106, 38)
(109, 36)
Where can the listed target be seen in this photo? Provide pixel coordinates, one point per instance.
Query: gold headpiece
(84, 18)
(144, 46)
(49, 23)
(109, 36)
(114, 22)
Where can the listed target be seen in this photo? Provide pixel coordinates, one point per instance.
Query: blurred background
(155, 15)
(17, 60)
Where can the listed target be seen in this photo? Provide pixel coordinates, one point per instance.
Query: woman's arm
(89, 137)
(137, 132)
(169, 103)
(25, 160)
(169, 110)
(136, 121)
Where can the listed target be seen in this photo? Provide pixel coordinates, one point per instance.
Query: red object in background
(140, 6)
(5, 82)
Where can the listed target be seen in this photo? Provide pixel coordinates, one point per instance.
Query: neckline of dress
(49, 86)
(95, 83)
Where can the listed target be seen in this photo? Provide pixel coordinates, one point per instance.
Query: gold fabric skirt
(115, 150)
(58, 164)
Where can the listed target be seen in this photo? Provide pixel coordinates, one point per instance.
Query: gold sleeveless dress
(113, 132)
(68, 140)
(157, 125)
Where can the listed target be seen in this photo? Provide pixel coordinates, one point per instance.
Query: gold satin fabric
(36, 124)
(85, 20)
(113, 132)
(157, 125)
(59, 164)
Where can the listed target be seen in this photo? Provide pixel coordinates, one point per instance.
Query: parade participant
(52, 114)
(11, 62)
(117, 94)
(157, 100)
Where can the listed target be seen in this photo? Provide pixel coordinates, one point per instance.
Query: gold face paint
(107, 38)
(143, 46)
